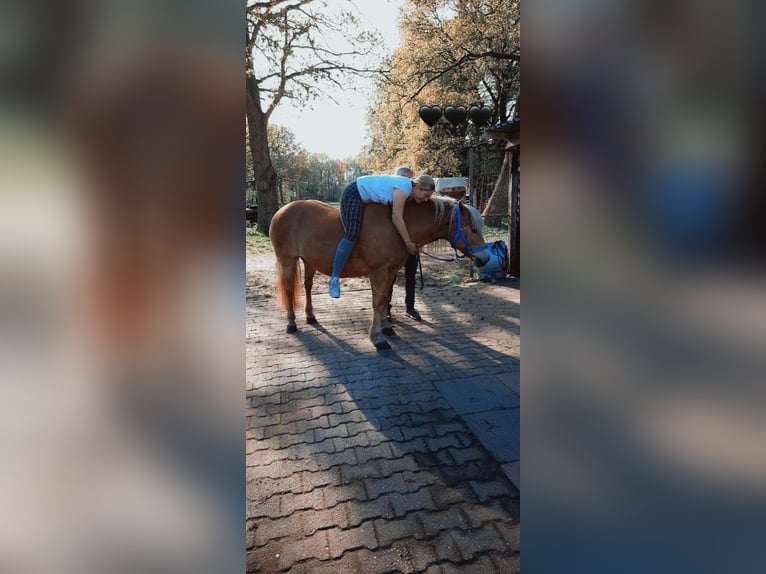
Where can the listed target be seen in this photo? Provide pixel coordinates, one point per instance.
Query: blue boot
(334, 287)
(341, 256)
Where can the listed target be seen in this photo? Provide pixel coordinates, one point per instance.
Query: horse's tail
(287, 273)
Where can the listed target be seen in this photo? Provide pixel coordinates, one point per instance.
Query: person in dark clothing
(410, 268)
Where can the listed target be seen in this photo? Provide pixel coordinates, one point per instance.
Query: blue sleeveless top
(380, 188)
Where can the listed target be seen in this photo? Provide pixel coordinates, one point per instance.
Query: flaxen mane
(443, 203)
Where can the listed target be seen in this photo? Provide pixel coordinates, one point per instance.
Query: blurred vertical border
(121, 286)
(644, 302)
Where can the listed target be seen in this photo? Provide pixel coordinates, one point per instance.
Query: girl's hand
(412, 248)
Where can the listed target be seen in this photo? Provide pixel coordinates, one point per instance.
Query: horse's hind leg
(308, 282)
(287, 281)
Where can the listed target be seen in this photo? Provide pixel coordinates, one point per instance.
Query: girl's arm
(397, 217)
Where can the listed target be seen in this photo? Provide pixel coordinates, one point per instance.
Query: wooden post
(514, 212)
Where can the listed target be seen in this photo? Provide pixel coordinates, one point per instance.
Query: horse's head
(466, 226)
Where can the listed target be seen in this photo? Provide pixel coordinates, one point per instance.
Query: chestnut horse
(310, 230)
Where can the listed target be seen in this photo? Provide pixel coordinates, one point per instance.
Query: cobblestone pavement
(356, 462)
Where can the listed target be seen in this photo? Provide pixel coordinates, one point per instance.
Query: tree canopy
(296, 49)
(453, 52)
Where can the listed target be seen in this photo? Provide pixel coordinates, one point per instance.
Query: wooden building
(511, 132)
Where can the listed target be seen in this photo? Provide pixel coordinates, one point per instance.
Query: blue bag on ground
(497, 266)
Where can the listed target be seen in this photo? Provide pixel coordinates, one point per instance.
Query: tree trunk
(264, 173)
(497, 206)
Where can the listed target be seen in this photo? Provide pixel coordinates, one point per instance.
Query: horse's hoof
(292, 328)
(311, 320)
(389, 331)
(384, 346)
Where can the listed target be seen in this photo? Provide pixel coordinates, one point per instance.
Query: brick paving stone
(435, 522)
(444, 496)
(343, 540)
(381, 561)
(268, 529)
(336, 431)
(409, 447)
(305, 403)
(268, 508)
(287, 440)
(250, 527)
(410, 433)
(328, 445)
(313, 520)
(389, 467)
(343, 565)
(476, 470)
(478, 541)
(289, 503)
(482, 565)
(284, 553)
(491, 489)
(312, 480)
(359, 511)
(393, 483)
(352, 417)
(344, 492)
(417, 556)
(351, 441)
(450, 427)
(383, 450)
(479, 514)
(260, 561)
(509, 563)
(290, 466)
(398, 421)
(405, 503)
(463, 455)
(441, 442)
(435, 459)
(264, 420)
(325, 460)
(357, 427)
(446, 547)
(403, 482)
(389, 531)
(513, 471)
(510, 532)
(392, 434)
(265, 488)
(370, 469)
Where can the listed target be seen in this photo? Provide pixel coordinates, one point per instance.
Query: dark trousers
(410, 267)
(351, 211)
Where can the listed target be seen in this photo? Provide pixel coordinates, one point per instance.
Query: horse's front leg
(308, 282)
(381, 281)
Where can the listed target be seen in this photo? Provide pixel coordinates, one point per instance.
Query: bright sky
(339, 130)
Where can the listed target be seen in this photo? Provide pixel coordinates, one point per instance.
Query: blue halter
(459, 234)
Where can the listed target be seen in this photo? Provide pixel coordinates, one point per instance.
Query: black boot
(413, 314)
